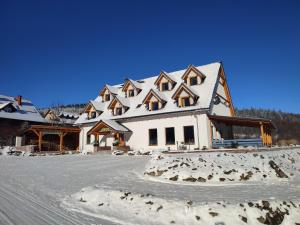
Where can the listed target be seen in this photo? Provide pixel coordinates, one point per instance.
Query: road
(32, 188)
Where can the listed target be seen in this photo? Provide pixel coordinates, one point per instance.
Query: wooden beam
(40, 140)
(262, 133)
(61, 141)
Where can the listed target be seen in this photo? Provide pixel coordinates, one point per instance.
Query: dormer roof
(194, 69)
(123, 101)
(134, 83)
(158, 95)
(112, 90)
(165, 75)
(184, 87)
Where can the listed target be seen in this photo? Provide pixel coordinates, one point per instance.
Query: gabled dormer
(164, 82)
(154, 100)
(131, 88)
(184, 96)
(94, 109)
(8, 107)
(193, 76)
(118, 106)
(108, 92)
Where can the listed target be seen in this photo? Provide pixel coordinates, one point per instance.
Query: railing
(233, 143)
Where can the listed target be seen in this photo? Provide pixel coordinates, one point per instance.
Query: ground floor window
(88, 139)
(189, 134)
(170, 136)
(152, 136)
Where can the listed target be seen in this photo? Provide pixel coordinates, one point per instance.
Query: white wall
(139, 138)
(221, 109)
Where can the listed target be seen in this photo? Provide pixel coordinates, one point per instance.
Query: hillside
(287, 124)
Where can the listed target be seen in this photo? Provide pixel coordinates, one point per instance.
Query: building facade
(171, 111)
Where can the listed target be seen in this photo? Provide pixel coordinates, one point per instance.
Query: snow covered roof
(98, 105)
(26, 111)
(68, 114)
(136, 84)
(204, 91)
(114, 125)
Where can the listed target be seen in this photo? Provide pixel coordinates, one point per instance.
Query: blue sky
(65, 51)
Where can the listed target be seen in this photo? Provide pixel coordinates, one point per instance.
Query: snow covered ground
(70, 189)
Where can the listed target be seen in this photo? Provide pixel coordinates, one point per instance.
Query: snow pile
(225, 167)
(134, 208)
(153, 152)
(7, 150)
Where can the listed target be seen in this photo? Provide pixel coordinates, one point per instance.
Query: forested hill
(287, 124)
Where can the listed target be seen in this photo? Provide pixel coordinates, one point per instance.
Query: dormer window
(185, 102)
(184, 96)
(130, 93)
(193, 76)
(118, 111)
(118, 105)
(164, 82)
(154, 100)
(193, 81)
(154, 106)
(93, 115)
(131, 88)
(107, 97)
(165, 86)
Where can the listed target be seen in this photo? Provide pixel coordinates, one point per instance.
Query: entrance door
(121, 139)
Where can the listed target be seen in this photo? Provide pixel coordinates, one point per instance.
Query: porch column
(40, 140)
(61, 141)
(262, 132)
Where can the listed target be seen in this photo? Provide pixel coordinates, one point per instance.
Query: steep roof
(204, 91)
(26, 111)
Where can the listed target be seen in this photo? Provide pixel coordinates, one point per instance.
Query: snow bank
(6, 150)
(138, 152)
(220, 168)
(133, 208)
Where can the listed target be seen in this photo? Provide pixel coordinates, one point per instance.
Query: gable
(192, 71)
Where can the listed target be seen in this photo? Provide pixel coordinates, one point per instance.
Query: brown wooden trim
(192, 68)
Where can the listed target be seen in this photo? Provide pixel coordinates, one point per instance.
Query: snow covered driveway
(32, 188)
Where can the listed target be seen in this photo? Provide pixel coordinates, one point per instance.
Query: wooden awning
(107, 127)
(62, 131)
(242, 121)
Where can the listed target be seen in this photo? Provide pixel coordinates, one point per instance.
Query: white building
(185, 109)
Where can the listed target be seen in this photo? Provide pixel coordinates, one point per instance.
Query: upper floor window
(131, 93)
(93, 115)
(107, 97)
(193, 81)
(186, 102)
(165, 86)
(119, 111)
(154, 106)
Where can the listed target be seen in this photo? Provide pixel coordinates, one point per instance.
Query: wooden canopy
(265, 125)
(62, 131)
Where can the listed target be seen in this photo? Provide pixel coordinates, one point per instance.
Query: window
(186, 102)
(165, 86)
(88, 139)
(189, 134)
(193, 81)
(107, 97)
(130, 93)
(152, 136)
(154, 105)
(170, 136)
(93, 115)
(119, 111)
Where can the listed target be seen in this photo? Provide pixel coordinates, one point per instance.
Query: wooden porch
(56, 137)
(104, 128)
(265, 127)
